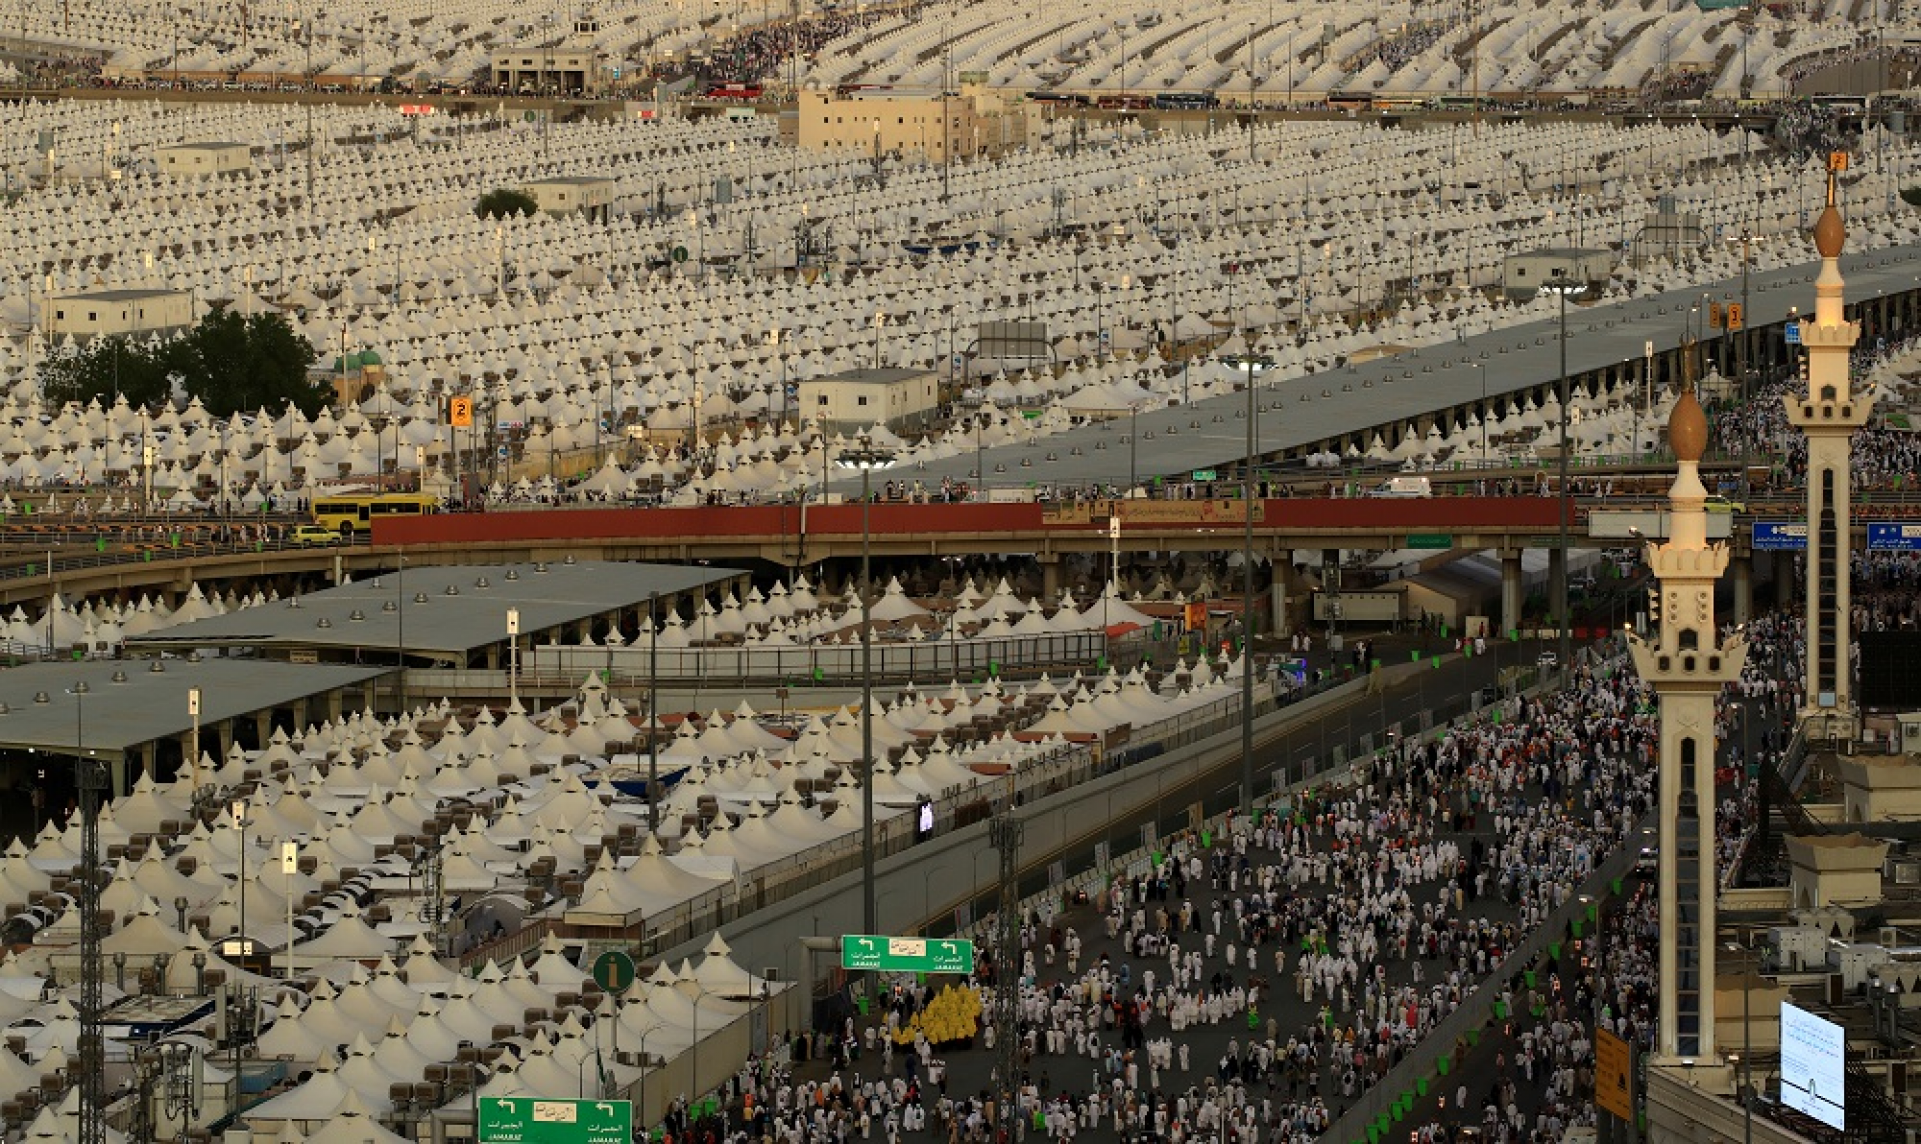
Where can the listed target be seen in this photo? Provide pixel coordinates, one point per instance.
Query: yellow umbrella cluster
(953, 1015)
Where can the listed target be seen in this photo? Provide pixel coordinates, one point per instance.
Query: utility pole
(1004, 834)
(91, 777)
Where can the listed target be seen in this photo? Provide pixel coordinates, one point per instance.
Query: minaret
(1687, 664)
(1829, 414)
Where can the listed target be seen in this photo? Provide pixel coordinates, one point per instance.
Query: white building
(1523, 275)
(570, 194)
(200, 159)
(119, 312)
(861, 398)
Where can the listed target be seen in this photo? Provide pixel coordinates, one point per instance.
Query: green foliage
(106, 367)
(233, 364)
(503, 201)
(1911, 196)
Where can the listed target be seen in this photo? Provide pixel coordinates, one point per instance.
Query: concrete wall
(931, 879)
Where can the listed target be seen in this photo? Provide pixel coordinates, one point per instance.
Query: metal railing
(893, 661)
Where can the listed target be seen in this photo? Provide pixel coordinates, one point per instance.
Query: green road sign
(524, 1120)
(906, 954)
(1439, 540)
(614, 971)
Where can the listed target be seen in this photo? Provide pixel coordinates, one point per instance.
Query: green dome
(369, 357)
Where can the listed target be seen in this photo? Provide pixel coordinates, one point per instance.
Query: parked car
(314, 534)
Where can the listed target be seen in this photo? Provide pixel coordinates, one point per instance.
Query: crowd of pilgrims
(1323, 941)
(1756, 426)
(1550, 1053)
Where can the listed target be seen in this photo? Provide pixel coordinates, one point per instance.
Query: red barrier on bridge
(694, 523)
(1439, 515)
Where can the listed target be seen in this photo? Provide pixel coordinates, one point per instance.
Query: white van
(1404, 487)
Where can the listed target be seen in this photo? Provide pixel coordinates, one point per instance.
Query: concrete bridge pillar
(143, 758)
(1785, 580)
(1050, 577)
(262, 729)
(1282, 588)
(1557, 574)
(225, 732)
(1513, 593)
(189, 751)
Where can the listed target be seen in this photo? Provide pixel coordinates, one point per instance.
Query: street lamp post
(193, 709)
(1747, 239)
(867, 459)
(239, 945)
(653, 715)
(1247, 610)
(90, 778)
(513, 657)
(1482, 371)
(1564, 286)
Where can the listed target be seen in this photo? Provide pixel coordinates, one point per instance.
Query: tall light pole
(513, 657)
(867, 460)
(1482, 370)
(1247, 611)
(239, 947)
(91, 778)
(1564, 286)
(193, 709)
(653, 713)
(1738, 327)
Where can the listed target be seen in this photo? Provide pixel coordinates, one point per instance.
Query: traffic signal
(1714, 315)
(1734, 315)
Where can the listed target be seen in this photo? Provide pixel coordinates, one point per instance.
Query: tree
(1911, 195)
(104, 368)
(503, 201)
(231, 363)
(235, 364)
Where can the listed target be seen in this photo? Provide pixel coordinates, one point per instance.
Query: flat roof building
(861, 398)
(1524, 274)
(446, 615)
(592, 195)
(137, 714)
(574, 68)
(934, 125)
(206, 158)
(119, 312)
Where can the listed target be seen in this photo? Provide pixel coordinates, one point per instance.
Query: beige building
(861, 398)
(570, 68)
(592, 195)
(928, 124)
(1523, 275)
(201, 159)
(114, 312)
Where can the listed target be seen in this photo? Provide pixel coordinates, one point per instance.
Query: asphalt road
(1442, 691)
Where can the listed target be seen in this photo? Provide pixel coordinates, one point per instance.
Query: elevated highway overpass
(1635, 342)
(794, 535)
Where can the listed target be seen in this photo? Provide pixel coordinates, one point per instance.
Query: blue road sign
(1779, 536)
(1894, 537)
(1793, 331)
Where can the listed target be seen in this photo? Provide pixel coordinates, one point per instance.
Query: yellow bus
(351, 513)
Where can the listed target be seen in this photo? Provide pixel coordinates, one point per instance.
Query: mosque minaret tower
(1829, 413)
(1687, 663)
